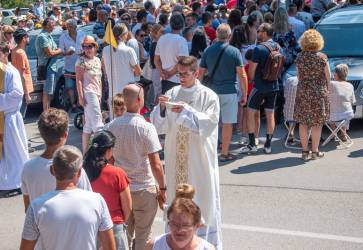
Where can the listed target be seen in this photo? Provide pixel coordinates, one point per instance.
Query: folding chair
(334, 133)
(290, 131)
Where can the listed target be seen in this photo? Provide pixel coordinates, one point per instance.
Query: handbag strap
(218, 61)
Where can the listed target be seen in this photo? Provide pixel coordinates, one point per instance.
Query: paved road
(268, 201)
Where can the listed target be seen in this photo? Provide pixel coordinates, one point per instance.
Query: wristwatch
(162, 188)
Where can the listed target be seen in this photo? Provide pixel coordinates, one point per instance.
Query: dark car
(59, 100)
(342, 30)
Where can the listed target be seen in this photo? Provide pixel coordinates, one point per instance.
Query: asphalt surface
(271, 201)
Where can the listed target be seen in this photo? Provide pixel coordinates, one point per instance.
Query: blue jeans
(120, 232)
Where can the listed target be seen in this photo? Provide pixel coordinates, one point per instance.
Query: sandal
(317, 155)
(225, 158)
(305, 155)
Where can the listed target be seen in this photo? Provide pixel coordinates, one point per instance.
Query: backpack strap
(217, 62)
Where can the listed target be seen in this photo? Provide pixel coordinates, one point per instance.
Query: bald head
(133, 96)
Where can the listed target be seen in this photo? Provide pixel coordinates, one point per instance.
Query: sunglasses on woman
(88, 47)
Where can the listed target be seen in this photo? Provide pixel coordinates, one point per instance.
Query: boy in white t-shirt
(36, 177)
(68, 217)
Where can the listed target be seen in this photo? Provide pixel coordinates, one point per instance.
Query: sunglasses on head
(88, 46)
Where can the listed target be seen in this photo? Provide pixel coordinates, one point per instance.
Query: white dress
(191, 152)
(161, 244)
(15, 150)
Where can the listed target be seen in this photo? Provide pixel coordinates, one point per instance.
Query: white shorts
(92, 113)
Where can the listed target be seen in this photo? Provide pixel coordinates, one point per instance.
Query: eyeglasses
(125, 19)
(88, 47)
(180, 227)
(183, 74)
(142, 35)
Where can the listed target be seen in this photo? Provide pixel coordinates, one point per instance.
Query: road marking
(287, 232)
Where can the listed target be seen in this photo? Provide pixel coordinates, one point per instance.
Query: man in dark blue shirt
(224, 82)
(263, 92)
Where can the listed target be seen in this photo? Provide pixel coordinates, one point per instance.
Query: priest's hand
(162, 100)
(178, 108)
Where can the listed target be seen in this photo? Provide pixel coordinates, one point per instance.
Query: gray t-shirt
(37, 180)
(224, 78)
(45, 40)
(67, 219)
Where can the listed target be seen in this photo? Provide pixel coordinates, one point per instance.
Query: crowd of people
(197, 71)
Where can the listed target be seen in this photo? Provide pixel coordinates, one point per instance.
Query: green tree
(8, 4)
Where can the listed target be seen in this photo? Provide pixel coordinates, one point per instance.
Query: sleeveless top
(161, 244)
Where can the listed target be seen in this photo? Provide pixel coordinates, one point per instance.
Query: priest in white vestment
(14, 148)
(191, 129)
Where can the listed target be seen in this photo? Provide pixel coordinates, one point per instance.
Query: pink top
(92, 74)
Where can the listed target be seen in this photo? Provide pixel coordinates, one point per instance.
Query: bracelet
(162, 189)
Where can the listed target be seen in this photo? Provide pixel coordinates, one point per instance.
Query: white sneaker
(248, 149)
(267, 150)
(244, 140)
(256, 141)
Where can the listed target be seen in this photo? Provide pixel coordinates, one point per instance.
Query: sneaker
(244, 140)
(257, 141)
(248, 149)
(267, 150)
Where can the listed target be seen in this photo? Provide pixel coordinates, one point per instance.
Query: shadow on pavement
(269, 165)
(356, 154)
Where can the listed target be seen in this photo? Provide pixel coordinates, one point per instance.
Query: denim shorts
(70, 83)
(229, 108)
(49, 85)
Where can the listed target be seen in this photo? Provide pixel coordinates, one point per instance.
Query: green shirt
(45, 40)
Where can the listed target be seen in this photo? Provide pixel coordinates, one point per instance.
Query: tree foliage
(8, 4)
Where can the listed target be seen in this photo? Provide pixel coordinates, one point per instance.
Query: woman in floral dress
(311, 103)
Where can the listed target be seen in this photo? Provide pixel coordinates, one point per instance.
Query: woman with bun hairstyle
(111, 182)
(184, 219)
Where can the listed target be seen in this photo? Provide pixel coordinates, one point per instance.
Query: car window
(344, 17)
(342, 40)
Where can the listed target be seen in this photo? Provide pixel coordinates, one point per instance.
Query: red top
(231, 4)
(111, 182)
(211, 33)
(250, 83)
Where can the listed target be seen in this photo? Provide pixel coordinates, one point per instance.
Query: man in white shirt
(137, 152)
(124, 67)
(36, 178)
(68, 217)
(191, 129)
(169, 49)
(297, 26)
(71, 40)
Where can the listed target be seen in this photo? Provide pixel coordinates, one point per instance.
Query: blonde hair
(118, 100)
(311, 40)
(185, 190)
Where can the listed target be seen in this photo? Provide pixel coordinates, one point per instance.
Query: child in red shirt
(111, 182)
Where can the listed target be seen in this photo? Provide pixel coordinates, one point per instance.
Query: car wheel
(78, 120)
(60, 98)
